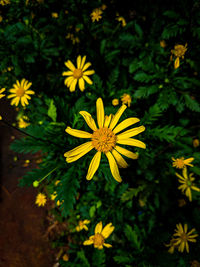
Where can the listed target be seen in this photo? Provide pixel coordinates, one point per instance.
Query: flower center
(189, 183)
(20, 92)
(98, 240)
(104, 140)
(77, 73)
(180, 163)
(184, 237)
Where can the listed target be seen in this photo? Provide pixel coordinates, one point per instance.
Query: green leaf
(52, 112)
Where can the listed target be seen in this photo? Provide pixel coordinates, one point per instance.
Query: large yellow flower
(78, 74)
(100, 234)
(187, 183)
(181, 237)
(105, 139)
(21, 92)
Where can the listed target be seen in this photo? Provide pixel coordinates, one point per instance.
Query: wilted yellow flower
(105, 139)
(4, 2)
(98, 239)
(21, 93)
(73, 38)
(163, 43)
(53, 196)
(22, 123)
(82, 225)
(115, 102)
(96, 14)
(180, 163)
(41, 199)
(79, 74)
(54, 15)
(122, 20)
(1, 91)
(196, 142)
(65, 257)
(187, 183)
(103, 7)
(126, 99)
(178, 52)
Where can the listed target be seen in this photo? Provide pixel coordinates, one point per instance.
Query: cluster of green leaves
(144, 207)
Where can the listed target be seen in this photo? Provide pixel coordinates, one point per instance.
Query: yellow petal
(126, 152)
(30, 92)
(81, 84)
(78, 133)
(68, 81)
(14, 101)
(185, 228)
(113, 167)
(87, 65)
(120, 160)
(107, 230)
(88, 72)
(77, 150)
(107, 245)
(83, 62)
(131, 133)
(12, 91)
(88, 242)
(27, 85)
(11, 96)
(107, 120)
(177, 63)
(89, 120)
(81, 154)
(67, 73)
(98, 228)
(22, 82)
(94, 165)
(124, 124)
(73, 85)
(78, 61)
(100, 112)
(70, 65)
(185, 172)
(188, 161)
(132, 142)
(187, 247)
(87, 79)
(117, 116)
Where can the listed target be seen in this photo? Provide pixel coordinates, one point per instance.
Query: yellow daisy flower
(187, 183)
(180, 163)
(79, 74)
(126, 99)
(100, 235)
(1, 91)
(181, 237)
(105, 139)
(40, 199)
(21, 92)
(82, 225)
(22, 123)
(96, 14)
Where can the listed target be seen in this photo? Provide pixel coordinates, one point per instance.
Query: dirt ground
(22, 223)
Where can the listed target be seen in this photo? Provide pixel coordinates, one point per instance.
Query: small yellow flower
(115, 102)
(54, 15)
(122, 20)
(1, 91)
(65, 257)
(79, 74)
(0, 118)
(73, 38)
(82, 225)
(4, 2)
(103, 7)
(105, 139)
(187, 183)
(171, 246)
(53, 196)
(40, 199)
(21, 92)
(163, 43)
(1, 18)
(96, 14)
(100, 235)
(179, 52)
(22, 123)
(181, 237)
(180, 163)
(196, 142)
(126, 99)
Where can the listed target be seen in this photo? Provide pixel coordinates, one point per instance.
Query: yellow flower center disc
(20, 92)
(184, 237)
(180, 163)
(98, 240)
(104, 140)
(77, 73)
